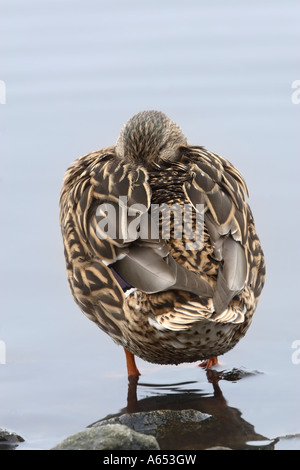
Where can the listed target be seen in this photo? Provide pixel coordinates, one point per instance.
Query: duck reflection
(225, 428)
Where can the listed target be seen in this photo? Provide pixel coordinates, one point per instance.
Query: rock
(108, 437)
(235, 374)
(135, 431)
(9, 440)
(159, 422)
(218, 448)
(169, 427)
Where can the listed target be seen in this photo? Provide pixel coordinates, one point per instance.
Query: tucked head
(148, 137)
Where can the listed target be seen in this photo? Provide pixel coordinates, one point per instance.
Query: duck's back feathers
(136, 286)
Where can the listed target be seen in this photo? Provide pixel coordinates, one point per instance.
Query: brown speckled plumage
(152, 163)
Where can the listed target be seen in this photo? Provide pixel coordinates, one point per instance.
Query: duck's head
(148, 137)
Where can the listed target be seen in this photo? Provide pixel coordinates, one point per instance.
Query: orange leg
(131, 365)
(213, 361)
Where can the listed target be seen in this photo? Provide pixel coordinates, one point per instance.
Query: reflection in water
(225, 428)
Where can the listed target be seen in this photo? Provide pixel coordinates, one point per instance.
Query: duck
(160, 245)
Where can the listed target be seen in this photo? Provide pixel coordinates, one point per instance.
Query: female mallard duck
(160, 245)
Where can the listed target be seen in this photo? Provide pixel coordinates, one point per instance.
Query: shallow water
(74, 73)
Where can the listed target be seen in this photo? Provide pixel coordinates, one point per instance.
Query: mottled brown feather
(152, 163)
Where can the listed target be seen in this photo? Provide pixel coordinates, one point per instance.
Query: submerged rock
(159, 423)
(235, 374)
(167, 426)
(108, 437)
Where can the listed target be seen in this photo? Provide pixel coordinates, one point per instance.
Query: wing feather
(221, 186)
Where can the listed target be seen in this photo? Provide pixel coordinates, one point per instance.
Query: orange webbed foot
(132, 369)
(213, 361)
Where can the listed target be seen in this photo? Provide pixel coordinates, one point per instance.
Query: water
(74, 73)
